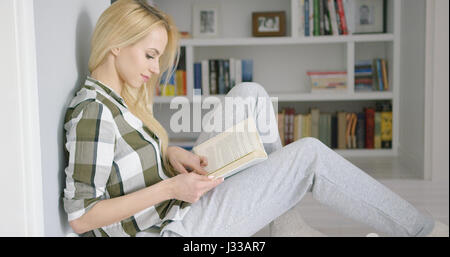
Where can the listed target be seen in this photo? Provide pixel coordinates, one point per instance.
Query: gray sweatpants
(248, 201)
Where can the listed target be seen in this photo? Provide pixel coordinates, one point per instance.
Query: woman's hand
(182, 160)
(189, 187)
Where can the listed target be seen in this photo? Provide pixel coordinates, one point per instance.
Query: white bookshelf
(287, 40)
(295, 53)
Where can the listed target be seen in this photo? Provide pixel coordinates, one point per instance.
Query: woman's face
(136, 62)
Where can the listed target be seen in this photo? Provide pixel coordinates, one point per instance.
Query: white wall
(440, 95)
(12, 219)
(63, 31)
(412, 88)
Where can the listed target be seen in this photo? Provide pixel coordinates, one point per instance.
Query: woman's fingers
(213, 183)
(200, 171)
(179, 168)
(197, 168)
(203, 161)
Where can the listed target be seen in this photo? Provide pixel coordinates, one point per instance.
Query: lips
(145, 78)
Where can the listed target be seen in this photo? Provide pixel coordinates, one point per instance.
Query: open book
(233, 150)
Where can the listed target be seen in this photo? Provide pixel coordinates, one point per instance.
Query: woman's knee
(311, 141)
(250, 89)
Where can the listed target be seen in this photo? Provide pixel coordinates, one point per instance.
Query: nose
(154, 68)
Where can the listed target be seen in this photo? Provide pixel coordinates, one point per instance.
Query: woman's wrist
(167, 188)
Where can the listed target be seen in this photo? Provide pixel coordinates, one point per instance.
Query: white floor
(425, 195)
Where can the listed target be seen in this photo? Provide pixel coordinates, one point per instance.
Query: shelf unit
(345, 49)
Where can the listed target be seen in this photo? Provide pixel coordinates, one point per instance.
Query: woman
(122, 179)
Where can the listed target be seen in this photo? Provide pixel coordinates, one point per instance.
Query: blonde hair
(124, 23)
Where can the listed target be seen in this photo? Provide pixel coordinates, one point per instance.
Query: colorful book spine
(334, 132)
(221, 78)
(380, 75)
(247, 70)
(342, 127)
(342, 17)
(321, 18)
(370, 127)
(385, 75)
(386, 127)
(226, 75)
(306, 17)
(338, 17)
(213, 77)
(332, 12)
(361, 130)
(197, 79)
(205, 78)
(327, 19)
(315, 115)
(316, 18)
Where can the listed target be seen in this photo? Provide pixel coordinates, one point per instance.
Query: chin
(136, 85)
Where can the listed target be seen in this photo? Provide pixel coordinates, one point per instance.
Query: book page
(230, 145)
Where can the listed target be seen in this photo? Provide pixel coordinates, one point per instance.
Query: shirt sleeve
(90, 143)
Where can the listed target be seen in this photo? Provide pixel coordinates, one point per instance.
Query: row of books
(323, 17)
(177, 84)
(371, 75)
(369, 129)
(219, 76)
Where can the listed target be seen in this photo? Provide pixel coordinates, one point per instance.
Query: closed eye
(149, 56)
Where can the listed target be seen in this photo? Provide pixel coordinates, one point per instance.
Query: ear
(115, 51)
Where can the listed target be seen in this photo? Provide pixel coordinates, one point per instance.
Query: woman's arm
(113, 210)
(188, 187)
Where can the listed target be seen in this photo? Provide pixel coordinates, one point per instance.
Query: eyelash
(149, 57)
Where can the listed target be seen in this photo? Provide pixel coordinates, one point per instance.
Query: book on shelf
(219, 76)
(177, 84)
(350, 136)
(338, 17)
(377, 127)
(323, 17)
(327, 19)
(315, 116)
(303, 28)
(386, 126)
(328, 81)
(360, 130)
(333, 17)
(289, 125)
(197, 79)
(370, 128)
(341, 129)
(233, 150)
(167, 89)
(325, 128)
(371, 75)
(247, 70)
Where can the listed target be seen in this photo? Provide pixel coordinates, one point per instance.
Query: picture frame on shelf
(206, 19)
(269, 24)
(368, 16)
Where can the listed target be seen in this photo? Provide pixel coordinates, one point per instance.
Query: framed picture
(206, 20)
(269, 24)
(368, 16)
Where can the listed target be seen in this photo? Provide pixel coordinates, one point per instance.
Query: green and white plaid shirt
(111, 153)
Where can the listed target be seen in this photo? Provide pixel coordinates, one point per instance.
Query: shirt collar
(108, 91)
